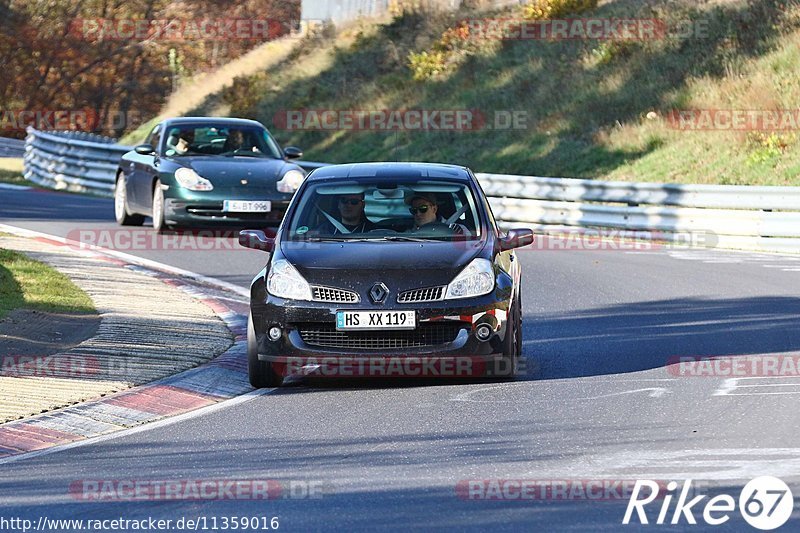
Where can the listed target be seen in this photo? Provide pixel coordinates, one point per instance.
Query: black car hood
(231, 170)
(400, 265)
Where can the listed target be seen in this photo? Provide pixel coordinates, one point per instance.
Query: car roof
(371, 170)
(227, 121)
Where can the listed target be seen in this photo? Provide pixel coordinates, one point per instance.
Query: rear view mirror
(516, 238)
(256, 239)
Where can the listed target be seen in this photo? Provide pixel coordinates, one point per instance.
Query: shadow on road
(641, 336)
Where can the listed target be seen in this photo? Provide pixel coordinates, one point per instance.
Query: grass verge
(11, 171)
(29, 284)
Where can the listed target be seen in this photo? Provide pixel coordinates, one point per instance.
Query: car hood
(231, 170)
(399, 265)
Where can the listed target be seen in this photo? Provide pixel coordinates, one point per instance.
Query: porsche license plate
(363, 320)
(245, 206)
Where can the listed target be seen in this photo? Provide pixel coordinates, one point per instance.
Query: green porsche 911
(205, 172)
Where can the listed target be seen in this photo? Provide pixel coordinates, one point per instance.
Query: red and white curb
(217, 381)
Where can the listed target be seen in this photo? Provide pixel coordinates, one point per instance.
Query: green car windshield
(388, 209)
(218, 140)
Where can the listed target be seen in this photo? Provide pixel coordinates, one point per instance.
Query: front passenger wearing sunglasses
(425, 208)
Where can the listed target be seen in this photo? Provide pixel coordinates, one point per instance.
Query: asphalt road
(596, 403)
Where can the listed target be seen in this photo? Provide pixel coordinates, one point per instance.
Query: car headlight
(284, 281)
(476, 279)
(189, 179)
(291, 181)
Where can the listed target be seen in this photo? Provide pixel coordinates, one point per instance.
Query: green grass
(595, 110)
(29, 284)
(11, 171)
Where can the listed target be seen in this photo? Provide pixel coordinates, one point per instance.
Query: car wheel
(261, 373)
(121, 206)
(158, 208)
(512, 344)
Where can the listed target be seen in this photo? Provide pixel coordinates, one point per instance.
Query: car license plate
(244, 206)
(355, 320)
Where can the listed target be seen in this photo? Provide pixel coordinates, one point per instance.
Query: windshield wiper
(395, 238)
(403, 238)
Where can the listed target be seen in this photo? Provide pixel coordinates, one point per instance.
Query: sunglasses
(345, 201)
(420, 209)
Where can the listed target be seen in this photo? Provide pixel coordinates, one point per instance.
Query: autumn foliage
(117, 61)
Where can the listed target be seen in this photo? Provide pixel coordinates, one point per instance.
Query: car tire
(512, 343)
(159, 224)
(261, 373)
(121, 205)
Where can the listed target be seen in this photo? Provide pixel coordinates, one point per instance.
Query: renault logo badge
(378, 293)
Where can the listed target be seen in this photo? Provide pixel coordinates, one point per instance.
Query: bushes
(547, 9)
(456, 43)
(452, 46)
(425, 65)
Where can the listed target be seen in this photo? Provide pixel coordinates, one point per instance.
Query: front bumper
(181, 212)
(444, 343)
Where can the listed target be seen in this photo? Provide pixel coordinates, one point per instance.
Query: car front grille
(330, 295)
(431, 294)
(426, 334)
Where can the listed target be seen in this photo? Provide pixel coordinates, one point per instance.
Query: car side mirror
(144, 149)
(256, 239)
(516, 238)
(293, 152)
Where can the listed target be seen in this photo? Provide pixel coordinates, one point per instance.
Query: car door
(144, 168)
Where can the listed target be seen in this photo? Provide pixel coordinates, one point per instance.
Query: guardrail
(744, 217)
(77, 162)
(725, 216)
(11, 147)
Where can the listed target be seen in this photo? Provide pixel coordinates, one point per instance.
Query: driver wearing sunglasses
(351, 216)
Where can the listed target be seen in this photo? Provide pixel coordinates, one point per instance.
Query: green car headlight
(189, 179)
(291, 181)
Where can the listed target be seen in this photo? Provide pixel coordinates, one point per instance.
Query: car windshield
(219, 140)
(402, 209)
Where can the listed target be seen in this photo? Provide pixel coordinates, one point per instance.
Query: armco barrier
(725, 216)
(11, 147)
(743, 217)
(78, 162)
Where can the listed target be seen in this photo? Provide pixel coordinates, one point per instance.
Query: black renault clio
(386, 269)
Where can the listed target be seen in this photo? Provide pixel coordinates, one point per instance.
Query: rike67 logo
(765, 503)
